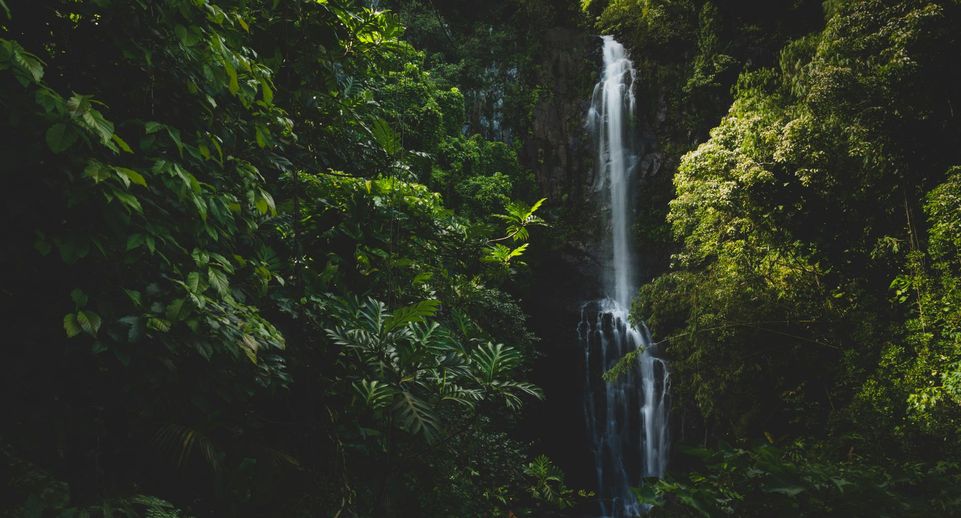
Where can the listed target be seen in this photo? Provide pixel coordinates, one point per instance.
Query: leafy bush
(768, 481)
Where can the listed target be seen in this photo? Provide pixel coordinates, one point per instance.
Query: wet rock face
(650, 164)
(558, 147)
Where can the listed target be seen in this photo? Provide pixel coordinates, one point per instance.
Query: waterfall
(627, 417)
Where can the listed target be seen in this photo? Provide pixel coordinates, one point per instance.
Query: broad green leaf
(242, 23)
(188, 36)
(135, 241)
(78, 297)
(158, 324)
(134, 296)
(51, 101)
(26, 67)
(174, 135)
(135, 331)
(265, 203)
(98, 172)
(193, 281)
(250, 347)
(262, 205)
(268, 92)
(121, 143)
(60, 137)
(95, 122)
(218, 280)
(128, 200)
(175, 310)
(71, 326)
(232, 83)
(89, 322)
(131, 176)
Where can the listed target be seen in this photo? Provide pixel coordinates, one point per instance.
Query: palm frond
(493, 360)
(415, 415)
(179, 441)
(414, 313)
(375, 394)
(373, 313)
(466, 397)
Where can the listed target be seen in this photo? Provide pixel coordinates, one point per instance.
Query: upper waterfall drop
(611, 114)
(626, 417)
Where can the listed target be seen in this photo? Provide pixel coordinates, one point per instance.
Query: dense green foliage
(228, 281)
(266, 258)
(771, 481)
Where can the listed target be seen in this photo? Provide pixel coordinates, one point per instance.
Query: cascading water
(626, 417)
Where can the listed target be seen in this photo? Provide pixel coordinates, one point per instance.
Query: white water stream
(626, 418)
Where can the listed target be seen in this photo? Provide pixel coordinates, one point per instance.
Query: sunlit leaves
(502, 255)
(624, 365)
(70, 325)
(931, 288)
(386, 137)
(519, 217)
(83, 321)
(765, 257)
(546, 483)
(370, 26)
(127, 200)
(264, 202)
(99, 172)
